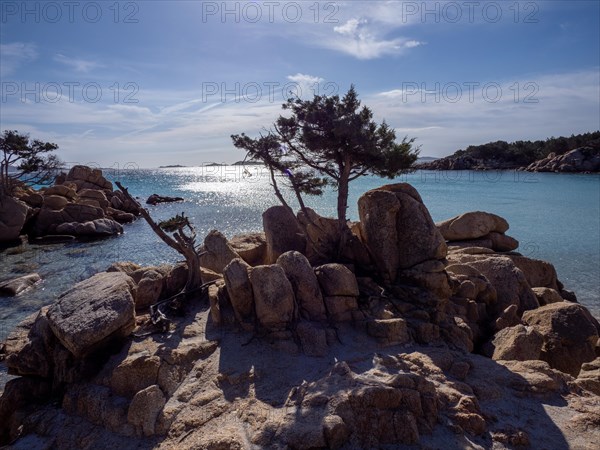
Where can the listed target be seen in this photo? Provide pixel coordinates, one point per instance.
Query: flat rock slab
(94, 312)
(17, 285)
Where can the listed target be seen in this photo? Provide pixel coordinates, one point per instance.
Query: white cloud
(349, 28)
(444, 122)
(15, 54)
(301, 78)
(79, 65)
(119, 133)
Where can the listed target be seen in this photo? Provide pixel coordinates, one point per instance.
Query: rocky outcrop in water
(585, 159)
(81, 203)
(156, 199)
(289, 354)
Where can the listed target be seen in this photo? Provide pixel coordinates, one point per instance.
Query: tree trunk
(194, 278)
(342, 205)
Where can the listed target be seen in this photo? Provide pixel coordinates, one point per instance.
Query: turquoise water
(555, 217)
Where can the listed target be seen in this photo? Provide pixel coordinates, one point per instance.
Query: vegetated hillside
(505, 155)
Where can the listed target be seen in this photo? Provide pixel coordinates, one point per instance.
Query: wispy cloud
(77, 64)
(14, 55)
(200, 129)
(360, 38)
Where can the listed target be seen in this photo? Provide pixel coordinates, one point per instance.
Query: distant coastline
(574, 154)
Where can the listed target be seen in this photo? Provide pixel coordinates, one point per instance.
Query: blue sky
(154, 83)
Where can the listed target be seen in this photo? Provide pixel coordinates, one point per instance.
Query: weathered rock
(546, 295)
(378, 210)
(322, 231)
(252, 247)
(471, 225)
(155, 199)
(126, 267)
(144, 409)
(537, 272)
(337, 280)
(62, 190)
(340, 308)
(584, 159)
(570, 335)
(149, 289)
(313, 339)
(29, 347)
(389, 331)
(502, 242)
(55, 202)
(218, 252)
(305, 285)
(508, 280)
(119, 216)
(93, 312)
(19, 393)
(97, 405)
(282, 232)
(398, 229)
(485, 292)
(589, 377)
(93, 228)
(87, 178)
(34, 200)
(18, 285)
(429, 275)
(518, 343)
(273, 296)
(508, 318)
(237, 282)
(137, 371)
(13, 214)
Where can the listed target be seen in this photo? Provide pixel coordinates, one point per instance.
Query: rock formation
(584, 159)
(375, 352)
(80, 203)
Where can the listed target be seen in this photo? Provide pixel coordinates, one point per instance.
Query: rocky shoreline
(438, 335)
(81, 203)
(579, 160)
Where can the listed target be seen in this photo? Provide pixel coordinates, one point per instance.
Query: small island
(171, 166)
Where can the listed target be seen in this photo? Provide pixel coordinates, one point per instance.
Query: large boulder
(340, 290)
(337, 279)
(217, 252)
(252, 247)
(48, 219)
(237, 282)
(29, 347)
(17, 285)
(518, 343)
(570, 335)
(537, 272)
(93, 197)
(87, 178)
(273, 296)
(92, 228)
(13, 215)
(471, 225)
(55, 202)
(397, 229)
(94, 312)
(508, 280)
(61, 190)
(305, 284)
(282, 232)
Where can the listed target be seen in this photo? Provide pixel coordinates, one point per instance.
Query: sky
(149, 83)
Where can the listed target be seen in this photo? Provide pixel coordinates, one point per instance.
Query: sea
(555, 217)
